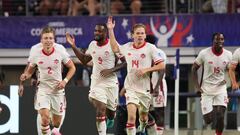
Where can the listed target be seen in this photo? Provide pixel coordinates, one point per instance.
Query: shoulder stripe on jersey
(158, 61)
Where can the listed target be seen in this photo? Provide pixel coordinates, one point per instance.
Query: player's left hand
(61, 85)
(20, 90)
(106, 72)
(140, 72)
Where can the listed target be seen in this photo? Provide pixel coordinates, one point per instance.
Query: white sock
(142, 124)
(101, 125)
(151, 130)
(46, 130)
(160, 130)
(131, 129)
(39, 121)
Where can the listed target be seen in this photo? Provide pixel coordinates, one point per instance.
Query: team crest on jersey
(210, 62)
(56, 61)
(40, 62)
(143, 56)
(129, 54)
(106, 53)
(93, 52)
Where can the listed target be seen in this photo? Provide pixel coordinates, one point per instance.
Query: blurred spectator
(78, 7)
(61, 7)
(53, 7)
(220, 6)
(93, 7)
(136, 6)
(117, 7)
(207, 6)
(237, 6)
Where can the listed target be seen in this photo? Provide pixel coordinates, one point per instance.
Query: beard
(97, 38)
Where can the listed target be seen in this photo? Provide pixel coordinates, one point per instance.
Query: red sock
(218, 133)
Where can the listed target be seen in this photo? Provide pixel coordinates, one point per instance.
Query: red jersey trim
(105, 43)
(45, 53)
(217, 54)
(141, 46)
(158, 61)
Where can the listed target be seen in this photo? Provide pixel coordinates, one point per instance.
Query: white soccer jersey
(236, 57)
(102, 58)
(215, 67)
(139, 58)
(50, 68)
(155, 75)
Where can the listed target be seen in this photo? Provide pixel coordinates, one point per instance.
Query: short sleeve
(199, 59)
(156, 55)
(235, 57)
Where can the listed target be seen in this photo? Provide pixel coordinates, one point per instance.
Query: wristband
(66, 80)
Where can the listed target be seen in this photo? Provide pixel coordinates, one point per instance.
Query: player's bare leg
(130, 126)
(39, 121)
(100, 116)
(45, 121)
(56, 122)
(219, 111)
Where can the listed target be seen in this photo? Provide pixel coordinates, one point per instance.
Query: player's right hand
(70, 39)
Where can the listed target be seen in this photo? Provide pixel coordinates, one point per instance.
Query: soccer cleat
(110, 123)
(55, 132)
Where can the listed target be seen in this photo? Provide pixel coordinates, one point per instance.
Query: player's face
(218, 41)
(139, 35)
(47, 40)
(99, 33)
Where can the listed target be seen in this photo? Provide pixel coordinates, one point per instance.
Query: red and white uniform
(138, 88)
(213, 86)
(161, 99)
(50, 74)
(104, 89)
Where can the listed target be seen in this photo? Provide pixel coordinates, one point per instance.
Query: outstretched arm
(78, 52)
(113, 41)
(195, 67)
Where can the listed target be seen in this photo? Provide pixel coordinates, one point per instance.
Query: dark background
(79, 119)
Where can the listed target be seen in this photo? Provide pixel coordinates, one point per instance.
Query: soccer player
(50, 97)
(34, 82)
(103, 92)
(139, 56)
(232, 69)
(214, 98)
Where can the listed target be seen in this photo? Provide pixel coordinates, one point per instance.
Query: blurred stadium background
(189, 26)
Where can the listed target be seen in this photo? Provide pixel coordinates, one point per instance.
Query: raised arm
(113, 41)
(195, 67)
(231, 71)
(78, 52)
